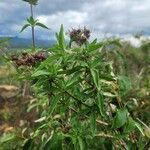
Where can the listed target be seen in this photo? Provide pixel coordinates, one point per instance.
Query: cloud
(119, 16)
(68, 18)
(103, 17)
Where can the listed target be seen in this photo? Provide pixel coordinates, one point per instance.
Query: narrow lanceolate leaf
(100, 103)
(95, 76)
(72, 82)
(32, 21)
(138, 126)
(61, 39)
(41, 25)
(81, 143)
(40, 73)
(120, 118)
(53, 103)
(93, 123)
(7, 137)
(24, 27)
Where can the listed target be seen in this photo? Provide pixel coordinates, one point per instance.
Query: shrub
(80, 100)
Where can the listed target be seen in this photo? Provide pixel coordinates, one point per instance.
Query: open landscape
(76, 90)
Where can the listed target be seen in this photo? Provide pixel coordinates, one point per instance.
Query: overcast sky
(103, 17)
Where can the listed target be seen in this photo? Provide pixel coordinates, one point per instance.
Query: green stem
(78, 100)
(33, 36)
(33, 39)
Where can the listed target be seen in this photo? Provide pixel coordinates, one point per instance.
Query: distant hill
(16, 42)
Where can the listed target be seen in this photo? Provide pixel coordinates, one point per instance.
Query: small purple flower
(80, 36)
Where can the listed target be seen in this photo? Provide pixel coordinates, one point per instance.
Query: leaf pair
(31, 22)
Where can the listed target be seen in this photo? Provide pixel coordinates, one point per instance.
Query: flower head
(80, 36)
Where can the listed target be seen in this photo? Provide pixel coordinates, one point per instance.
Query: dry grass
(6, 71)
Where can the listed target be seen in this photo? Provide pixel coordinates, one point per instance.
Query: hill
(17, 42)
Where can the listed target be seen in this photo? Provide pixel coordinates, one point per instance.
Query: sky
(103, 17)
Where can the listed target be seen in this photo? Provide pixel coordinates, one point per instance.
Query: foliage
(32, 23)
(81, 100)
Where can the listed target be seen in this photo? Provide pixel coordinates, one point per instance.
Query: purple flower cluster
(80, 36)
(26, 59)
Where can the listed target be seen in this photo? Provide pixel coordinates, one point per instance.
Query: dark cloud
(47, 7)
(116, 17)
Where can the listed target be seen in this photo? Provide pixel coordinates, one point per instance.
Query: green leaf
(41, 25)
(120, 118)
(73, 70)
(100, 103)
(94, 41)
(29, 144)
(31, 21)
(94, 46)
(146, 129)
(93, 123)
(139, 128)
(24, 27)
(40, 73)
(130, 126)
(53, 103)
(7, 137)
(71, 82)
(95, 63)
(60, 38)
(81, 143)
(55, 143)
(95, 76)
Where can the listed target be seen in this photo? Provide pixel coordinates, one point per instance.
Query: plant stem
(31, 7)
(102, 134)
(33, 37)
(77, 99)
